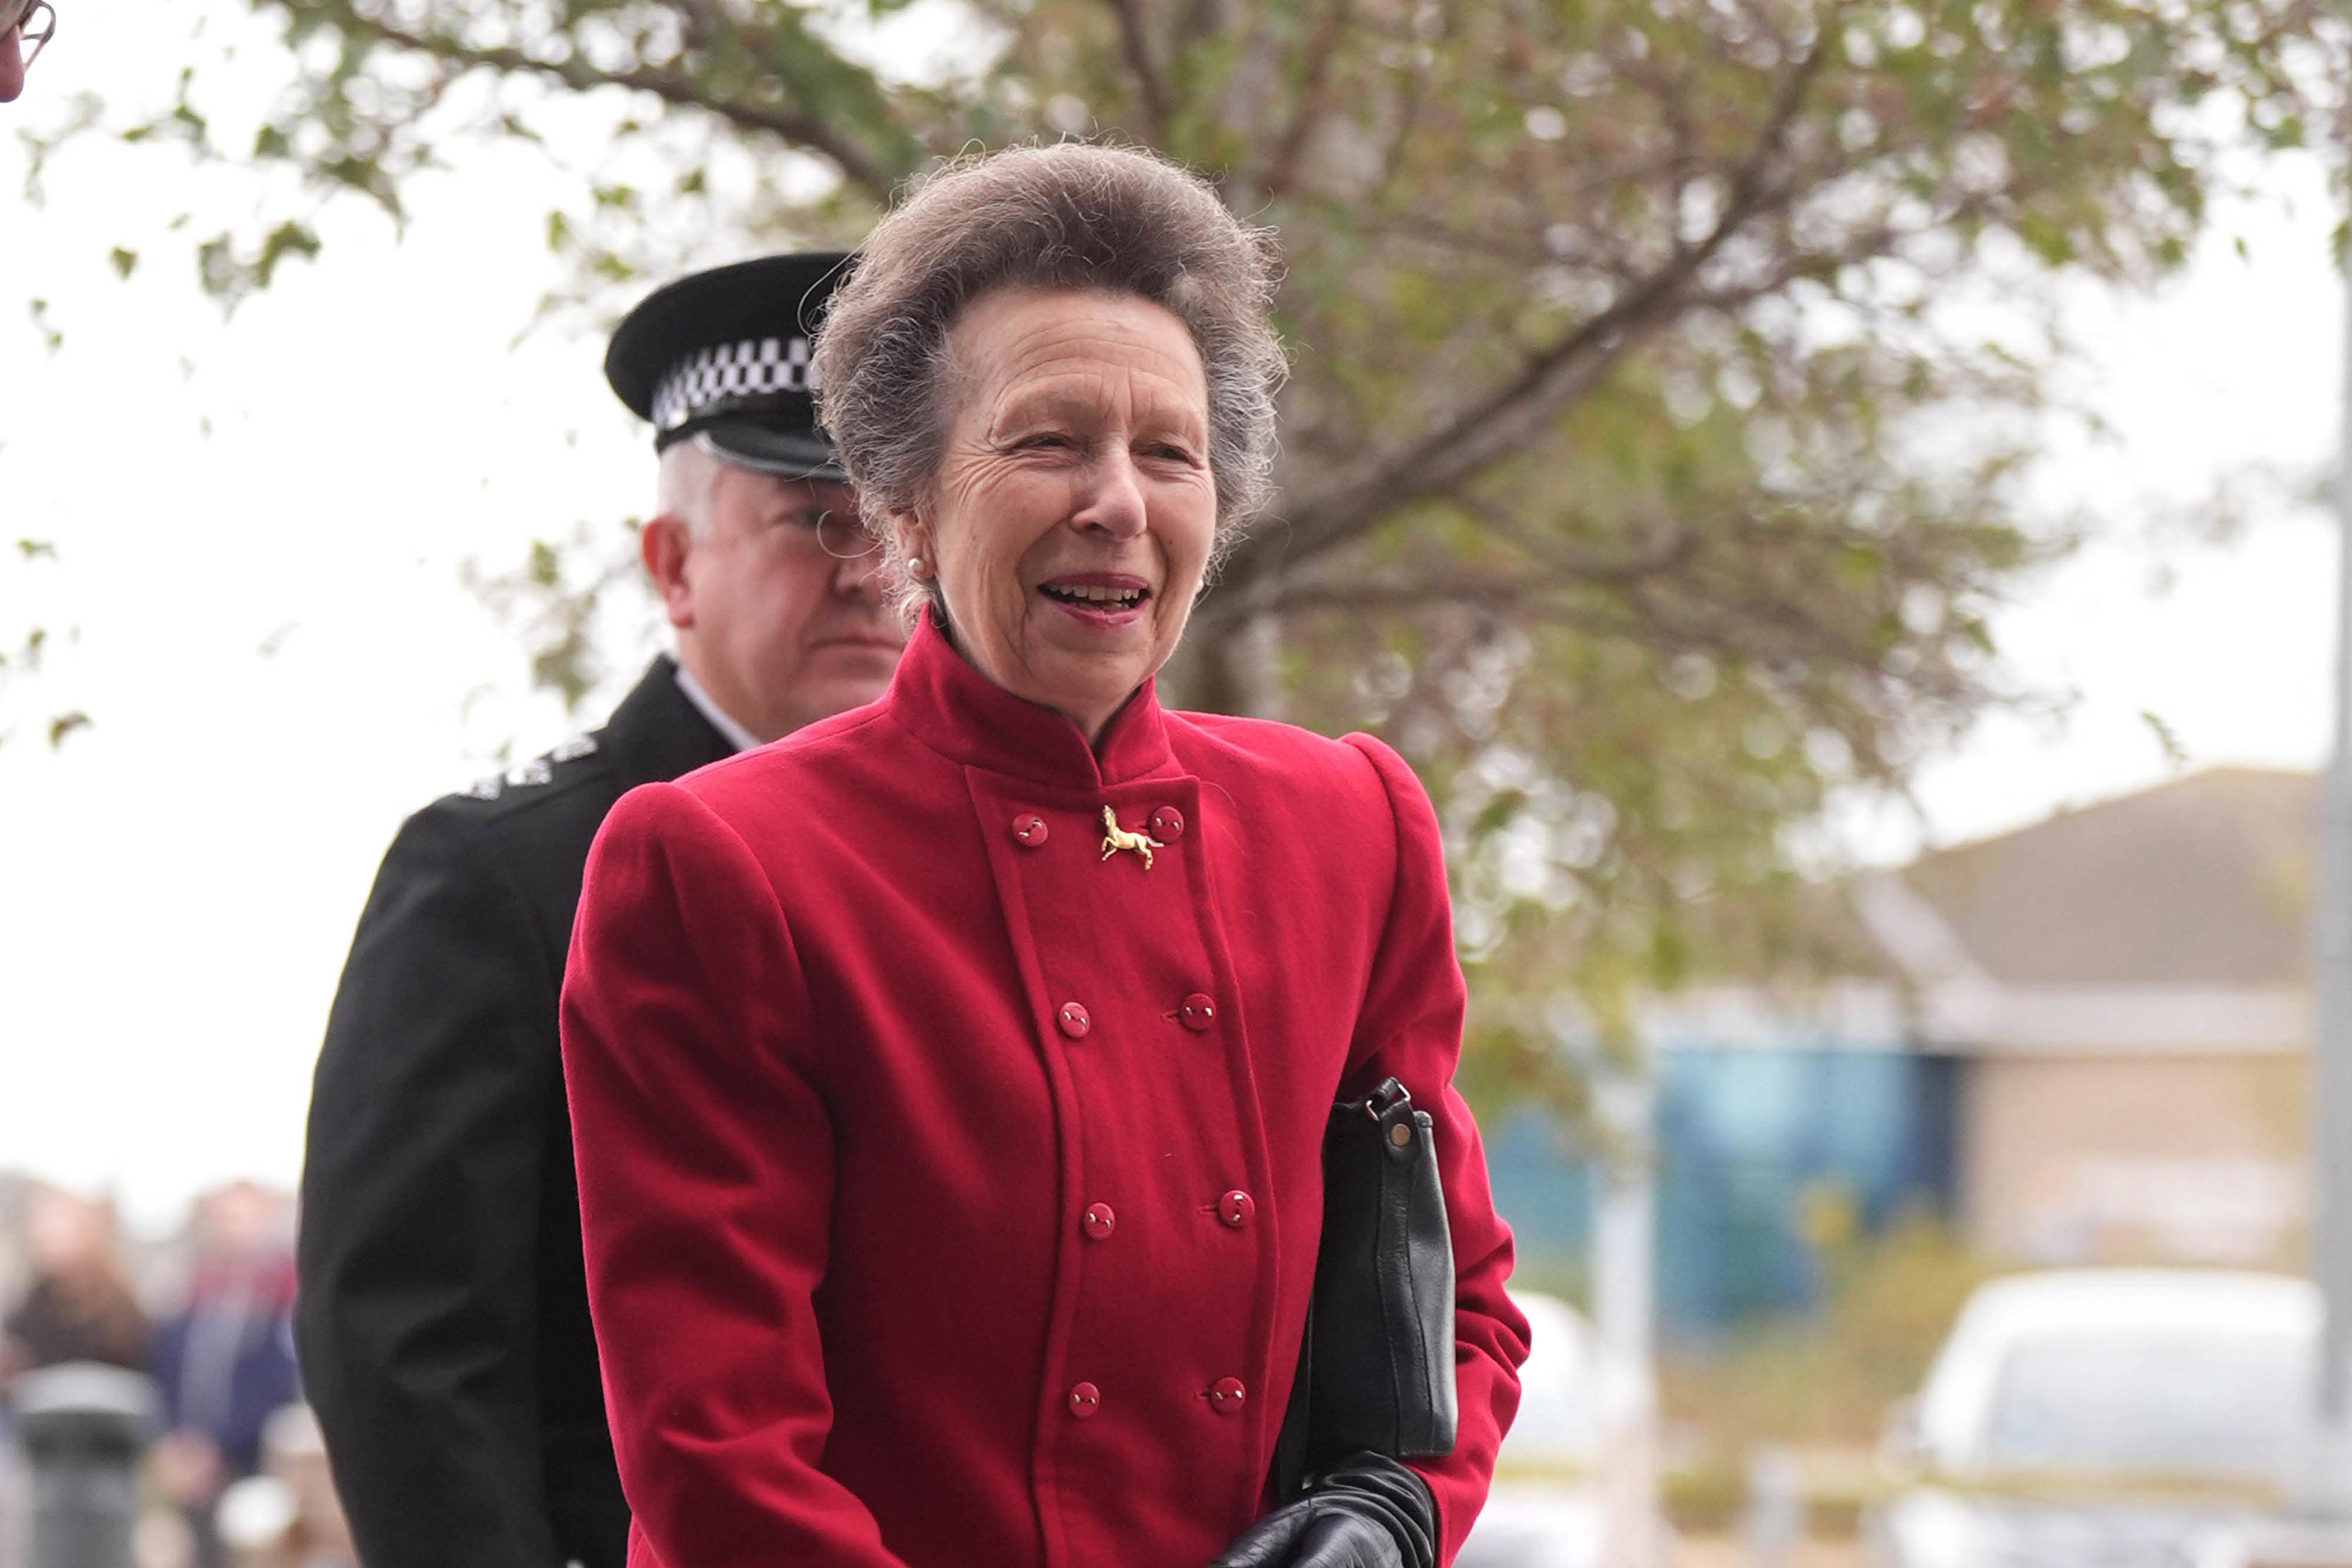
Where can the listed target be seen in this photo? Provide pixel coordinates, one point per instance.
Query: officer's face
(1074, 511)
(780, 632)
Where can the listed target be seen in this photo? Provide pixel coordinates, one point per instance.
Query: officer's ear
(662, 544)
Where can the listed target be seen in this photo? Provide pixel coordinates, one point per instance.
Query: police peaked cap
(724, 354)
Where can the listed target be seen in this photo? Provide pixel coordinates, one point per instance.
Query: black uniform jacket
(442, 1319)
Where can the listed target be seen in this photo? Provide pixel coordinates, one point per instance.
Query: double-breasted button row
(1197, 1012)
(1236, 1208)
(1225, 1397)
(1166, 824)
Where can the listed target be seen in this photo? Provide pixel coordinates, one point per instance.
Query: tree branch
(1671, 547)
(1499, 423)
(1471, 591)
(859, 166)
(1151, 83)
(1283, 170)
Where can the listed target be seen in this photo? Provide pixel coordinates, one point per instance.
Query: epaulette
(538, 770)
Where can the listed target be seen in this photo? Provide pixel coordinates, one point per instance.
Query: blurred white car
(2106, 1419)
(1547, 1509)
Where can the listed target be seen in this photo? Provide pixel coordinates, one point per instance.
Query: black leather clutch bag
(1376, 1374)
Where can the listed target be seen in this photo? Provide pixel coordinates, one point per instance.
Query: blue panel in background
(1747, 1136)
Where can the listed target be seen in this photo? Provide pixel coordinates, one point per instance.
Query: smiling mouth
(1107, 598)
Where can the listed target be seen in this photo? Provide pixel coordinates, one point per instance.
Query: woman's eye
(1048, 438)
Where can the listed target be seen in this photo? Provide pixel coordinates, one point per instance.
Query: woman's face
(1073, 512)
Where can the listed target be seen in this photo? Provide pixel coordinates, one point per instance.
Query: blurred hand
(188, 1469)
(1368, 1512)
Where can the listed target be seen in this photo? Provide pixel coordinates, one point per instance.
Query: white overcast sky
(261, 525)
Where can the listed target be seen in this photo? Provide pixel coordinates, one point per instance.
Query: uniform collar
(962, 714)
(656, 733)
(740, 738)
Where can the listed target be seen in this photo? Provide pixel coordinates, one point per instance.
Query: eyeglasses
(837, 532)
(15, 14)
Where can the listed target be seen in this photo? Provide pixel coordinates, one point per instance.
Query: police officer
(442, 1319)
(25, 26)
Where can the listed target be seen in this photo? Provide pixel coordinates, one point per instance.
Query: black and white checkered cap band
(732, 371)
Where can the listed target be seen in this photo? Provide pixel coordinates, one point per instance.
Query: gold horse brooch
(1115, 838)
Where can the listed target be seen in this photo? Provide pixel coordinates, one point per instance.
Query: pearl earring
(918, 567)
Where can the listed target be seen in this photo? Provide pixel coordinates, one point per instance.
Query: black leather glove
(1365, 1511)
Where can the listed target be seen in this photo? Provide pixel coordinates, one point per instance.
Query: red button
(1167, 824)
(1198, 1012)
(1030, 829)
(1101, 1222)
(1074, 1020)
(1236, 1208)
(1086, 1399)
(1228, 1396)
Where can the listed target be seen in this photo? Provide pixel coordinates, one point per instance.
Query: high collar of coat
(957, 711)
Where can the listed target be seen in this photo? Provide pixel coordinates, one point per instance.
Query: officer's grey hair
(1071, 217)
(688, 475)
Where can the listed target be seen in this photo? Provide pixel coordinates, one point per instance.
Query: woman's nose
(1113, 502)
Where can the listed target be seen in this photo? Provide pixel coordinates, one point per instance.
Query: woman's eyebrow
(1157, 408)
(1042, 403)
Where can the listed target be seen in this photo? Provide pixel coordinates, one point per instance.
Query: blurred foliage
(1827, 1380)
(24, 646)
(1664, 369)
(1818, 1389)
(555, 598)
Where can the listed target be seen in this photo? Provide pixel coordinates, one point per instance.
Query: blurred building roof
(2206, 881)
(2171, 920)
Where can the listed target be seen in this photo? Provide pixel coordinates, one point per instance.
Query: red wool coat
(950, 1189)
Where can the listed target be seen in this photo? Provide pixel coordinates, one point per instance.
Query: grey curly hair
(1072, 216)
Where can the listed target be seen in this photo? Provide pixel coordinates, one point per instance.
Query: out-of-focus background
(1831, 496)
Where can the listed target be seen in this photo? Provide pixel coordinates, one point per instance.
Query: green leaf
(2167, 740)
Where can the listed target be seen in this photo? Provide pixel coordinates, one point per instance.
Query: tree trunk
(1224, 667)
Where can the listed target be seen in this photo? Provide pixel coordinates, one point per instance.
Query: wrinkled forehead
(1072, 351)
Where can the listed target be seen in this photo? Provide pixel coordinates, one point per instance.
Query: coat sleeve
(706, 1159)
(1411, 1028)
(421, 1210)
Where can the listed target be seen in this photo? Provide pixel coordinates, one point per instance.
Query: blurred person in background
(79, 1306)
(949, 1081)
(25, 25)
(286, 1516)
(224, 1363)
(443, 1316)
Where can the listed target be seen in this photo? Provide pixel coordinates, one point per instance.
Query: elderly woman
(949, 1081)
